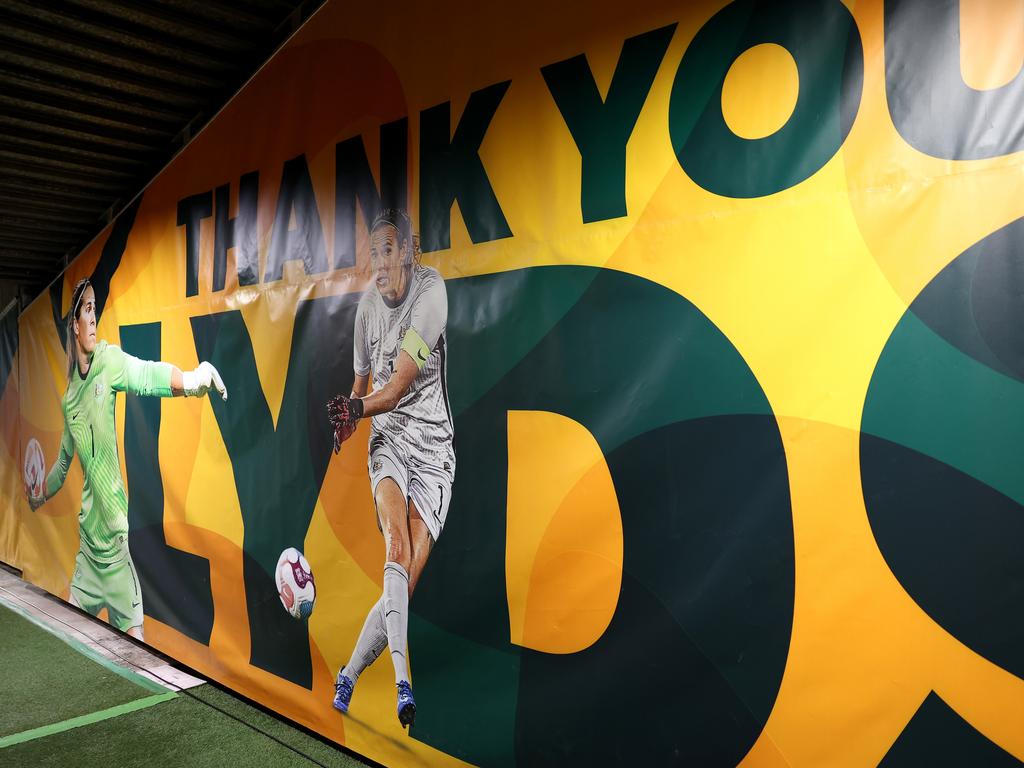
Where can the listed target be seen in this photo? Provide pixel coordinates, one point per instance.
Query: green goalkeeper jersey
(89, 431)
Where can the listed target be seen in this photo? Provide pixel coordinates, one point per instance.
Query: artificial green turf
(191, 730)
(43, 680)
(274, 726)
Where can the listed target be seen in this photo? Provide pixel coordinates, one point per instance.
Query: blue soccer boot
(406, 704)
(342, 691)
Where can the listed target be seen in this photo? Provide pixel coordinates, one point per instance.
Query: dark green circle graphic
(942, 447)
(689, 668)
(825, 44)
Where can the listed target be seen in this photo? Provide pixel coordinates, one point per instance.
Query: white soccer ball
(295, 583)
(34, 468)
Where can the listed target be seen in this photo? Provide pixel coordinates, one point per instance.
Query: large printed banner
(668, 355)
(10, 457)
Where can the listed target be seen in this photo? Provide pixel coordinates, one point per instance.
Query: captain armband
(417, 348)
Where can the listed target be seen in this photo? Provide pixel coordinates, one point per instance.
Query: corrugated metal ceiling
(96, 97)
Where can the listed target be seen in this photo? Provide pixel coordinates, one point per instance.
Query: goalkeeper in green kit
(105, 575)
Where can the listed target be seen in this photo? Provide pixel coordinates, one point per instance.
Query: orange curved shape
(991, 42)
(563, 556)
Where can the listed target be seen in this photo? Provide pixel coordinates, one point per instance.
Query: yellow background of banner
(11, 463)
(807, 284)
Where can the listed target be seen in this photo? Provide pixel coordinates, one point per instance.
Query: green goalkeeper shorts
(114, 586)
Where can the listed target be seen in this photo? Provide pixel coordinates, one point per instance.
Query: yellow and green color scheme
(734, 363)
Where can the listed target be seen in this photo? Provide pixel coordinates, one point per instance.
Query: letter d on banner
(563, 544)
(693, 654)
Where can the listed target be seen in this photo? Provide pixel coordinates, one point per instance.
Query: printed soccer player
(400, 337)
(105, 575)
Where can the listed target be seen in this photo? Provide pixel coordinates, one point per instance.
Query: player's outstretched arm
(205, 378)
(154, 378)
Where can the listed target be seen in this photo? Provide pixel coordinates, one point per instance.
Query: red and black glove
(344, 412)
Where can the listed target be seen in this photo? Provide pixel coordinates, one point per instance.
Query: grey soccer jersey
(421, 424)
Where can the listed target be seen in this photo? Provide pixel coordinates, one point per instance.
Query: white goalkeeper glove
(200, 381)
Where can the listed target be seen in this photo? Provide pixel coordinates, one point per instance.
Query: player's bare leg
(71, 599)
(388, 620)
(422, 544)
(136, 632)
(373, 638)
(393, 514)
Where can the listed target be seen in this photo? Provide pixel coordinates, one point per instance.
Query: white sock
(396, 616)
(373, 639)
